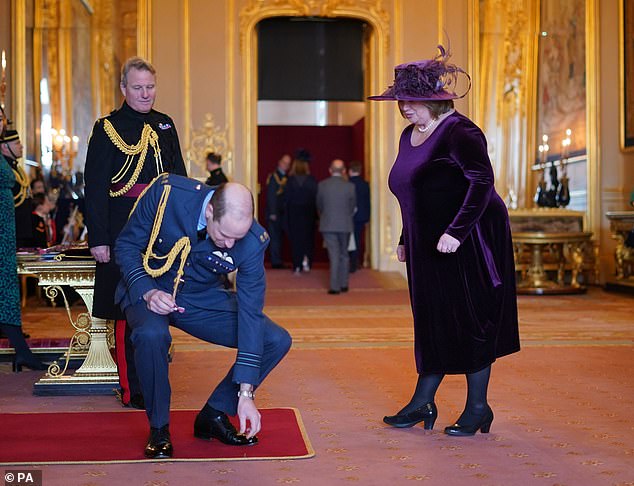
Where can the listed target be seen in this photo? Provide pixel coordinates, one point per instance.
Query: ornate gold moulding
(98, 372)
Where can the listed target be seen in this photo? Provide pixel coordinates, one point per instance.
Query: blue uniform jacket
(202, 285)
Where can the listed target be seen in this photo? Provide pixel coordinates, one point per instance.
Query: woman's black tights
(476, 406)
(477, 386)
(425, 391)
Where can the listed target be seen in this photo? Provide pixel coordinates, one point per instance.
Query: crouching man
(181, 240)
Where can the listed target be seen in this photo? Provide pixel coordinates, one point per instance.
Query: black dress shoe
(333, 292)
(483, 425)
(344, 289)
(427, 414)
(159, 444)
(220, 428)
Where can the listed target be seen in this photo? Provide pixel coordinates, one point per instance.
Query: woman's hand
(447, 244)
(400, 253)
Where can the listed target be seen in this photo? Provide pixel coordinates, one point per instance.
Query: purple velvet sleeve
(469, 151)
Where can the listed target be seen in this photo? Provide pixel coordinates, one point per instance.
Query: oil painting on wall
(561, 101)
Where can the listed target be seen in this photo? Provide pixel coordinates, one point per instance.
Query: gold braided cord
(281, 183)
(182, 246)
(23, 181)
(144, 191)
(148, 138)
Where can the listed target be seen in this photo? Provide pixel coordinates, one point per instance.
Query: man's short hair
(214, 158)
(38, 199)
(219, 204)
(355, 166)
(35, 181)
(137, 63)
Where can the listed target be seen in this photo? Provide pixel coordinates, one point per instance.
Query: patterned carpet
(563, 405)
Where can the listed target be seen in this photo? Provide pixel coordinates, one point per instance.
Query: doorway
(311, 80)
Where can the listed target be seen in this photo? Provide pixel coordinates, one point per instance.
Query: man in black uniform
(216, 176)
(126, 150)
(275, 184)
(11, 148)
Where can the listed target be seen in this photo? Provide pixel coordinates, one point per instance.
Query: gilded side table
(562, 254)
(621, 223)
(98, 372)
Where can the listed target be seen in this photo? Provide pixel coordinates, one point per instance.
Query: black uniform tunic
(23, 232)
(106, 215)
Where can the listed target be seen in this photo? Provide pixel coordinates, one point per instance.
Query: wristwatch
(247, 394)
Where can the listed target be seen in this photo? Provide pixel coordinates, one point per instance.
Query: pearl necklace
(424, 129)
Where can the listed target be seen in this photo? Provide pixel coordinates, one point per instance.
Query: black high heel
(34, 365)
(427, 414)
(483, 425)
(23, 354)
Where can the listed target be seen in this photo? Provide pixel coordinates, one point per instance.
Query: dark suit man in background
(336, 202)
(362, 214)
(204, 233)
(126, 150)
(275, 185)
(216, 176)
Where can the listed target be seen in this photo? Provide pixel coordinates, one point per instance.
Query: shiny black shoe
(159, 444)
(483, 425)
(220, 428)
(427, 414)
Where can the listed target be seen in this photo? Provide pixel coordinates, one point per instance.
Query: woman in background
(301, 212)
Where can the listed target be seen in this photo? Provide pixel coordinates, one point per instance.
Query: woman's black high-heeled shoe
(23, 354)
(427, 414)
(34, 364)
(483, 425)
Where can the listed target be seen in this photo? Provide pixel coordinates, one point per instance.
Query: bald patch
(238, 201)
(337, 166)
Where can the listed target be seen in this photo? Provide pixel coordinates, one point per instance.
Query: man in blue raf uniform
(181, 240)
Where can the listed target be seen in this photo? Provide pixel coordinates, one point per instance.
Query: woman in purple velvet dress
(456, 242)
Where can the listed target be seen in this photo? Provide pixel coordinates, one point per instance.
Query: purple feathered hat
(428, 80)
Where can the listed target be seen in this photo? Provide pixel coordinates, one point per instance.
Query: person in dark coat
(216, 176)
(301, 214)
(275, 197)
(206, 233)
(12, 150)
(43, 226)
(456, 241)
(126, 150)
(362, 214)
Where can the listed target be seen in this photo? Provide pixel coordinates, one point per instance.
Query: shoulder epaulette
(259, 233)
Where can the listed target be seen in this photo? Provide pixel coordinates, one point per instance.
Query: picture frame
(626, 78)
(561, 78)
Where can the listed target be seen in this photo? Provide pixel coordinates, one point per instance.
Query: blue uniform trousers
(151, 339)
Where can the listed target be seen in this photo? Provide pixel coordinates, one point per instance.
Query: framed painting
(561, 88)
(626, 61)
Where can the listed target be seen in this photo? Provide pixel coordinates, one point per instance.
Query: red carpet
(119, 437)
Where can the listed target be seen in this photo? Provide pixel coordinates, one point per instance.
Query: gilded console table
(621, 223)
(562, 254)
(98, 372)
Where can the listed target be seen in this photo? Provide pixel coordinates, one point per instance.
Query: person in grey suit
(336, 203)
